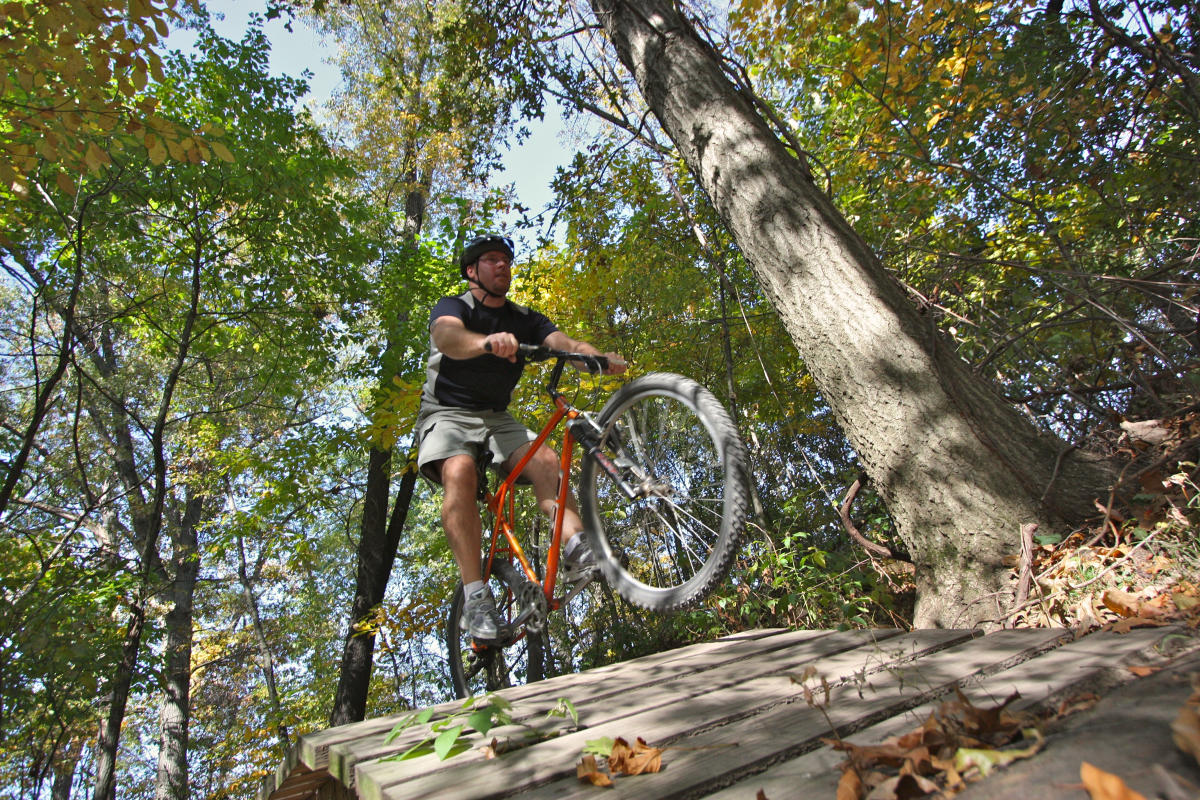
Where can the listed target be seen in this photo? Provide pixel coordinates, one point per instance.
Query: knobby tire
(493, 667)
(667, 549)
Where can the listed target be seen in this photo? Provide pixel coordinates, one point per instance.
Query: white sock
(472, 587)
(573, 544)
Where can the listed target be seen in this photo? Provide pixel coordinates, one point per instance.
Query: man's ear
(472, 271)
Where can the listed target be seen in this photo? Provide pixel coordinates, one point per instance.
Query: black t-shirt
(485, 382)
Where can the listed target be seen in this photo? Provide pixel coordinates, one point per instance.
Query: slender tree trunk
(64, 769)
(147, 518)
(171, 782)
(266, 661)
(959, 469)
(376, 554)
(379, 537)
(47, 389)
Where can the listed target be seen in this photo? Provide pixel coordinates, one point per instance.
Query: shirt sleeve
(448, 307)
(541, 327)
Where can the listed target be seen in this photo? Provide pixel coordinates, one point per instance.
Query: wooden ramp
(733, 712)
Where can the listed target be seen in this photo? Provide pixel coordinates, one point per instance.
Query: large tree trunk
(960, 470)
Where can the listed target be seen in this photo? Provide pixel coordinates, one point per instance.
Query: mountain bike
(663, 495)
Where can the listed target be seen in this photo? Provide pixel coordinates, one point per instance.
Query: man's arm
(560, 341)
(454, 340)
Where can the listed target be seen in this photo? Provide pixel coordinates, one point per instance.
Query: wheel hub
(533, 605)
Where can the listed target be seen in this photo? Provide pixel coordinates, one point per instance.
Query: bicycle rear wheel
(478, 669)
(676, 445)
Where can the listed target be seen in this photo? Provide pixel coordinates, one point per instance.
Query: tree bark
(171, 782)
(379, 536)
(376, 553)
(960, 470)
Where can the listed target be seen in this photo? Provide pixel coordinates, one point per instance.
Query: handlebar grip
(536, 352)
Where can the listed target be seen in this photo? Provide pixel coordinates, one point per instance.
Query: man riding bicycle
(474, 365)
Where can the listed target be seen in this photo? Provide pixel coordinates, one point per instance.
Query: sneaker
(580, 563)
(481, 618)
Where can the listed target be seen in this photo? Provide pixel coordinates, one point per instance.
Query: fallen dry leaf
(850, 786)
(1142, 671)
(903, 787)
(1129, 623)
(1185, 730)
(587, 771)
(986, 760)
(636, 760)
(1103, 785)
(1123, 603)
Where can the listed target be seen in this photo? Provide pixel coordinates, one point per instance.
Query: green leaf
(598, 747)
(444, 744)
(412, 719)
(416, 751)
(564, 708)
(482, 720)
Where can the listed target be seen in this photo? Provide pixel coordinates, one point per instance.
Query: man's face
(493, 271)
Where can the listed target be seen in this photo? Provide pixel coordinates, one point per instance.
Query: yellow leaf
(65, 183)
(139, 75)
(987, 760)
(1103, 785)
(95, 157)
(176, 150)
(155, 149)
(222, 152)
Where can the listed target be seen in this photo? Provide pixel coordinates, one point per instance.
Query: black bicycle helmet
(482, 244)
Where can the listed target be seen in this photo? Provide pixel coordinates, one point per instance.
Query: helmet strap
(487, 291)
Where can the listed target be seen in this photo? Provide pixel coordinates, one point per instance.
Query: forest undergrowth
(1134, 563)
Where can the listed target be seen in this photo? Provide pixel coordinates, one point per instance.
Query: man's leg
(460, 520)
(460, 515)
(543, 471)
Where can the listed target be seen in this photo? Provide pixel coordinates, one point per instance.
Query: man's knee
(459, 474)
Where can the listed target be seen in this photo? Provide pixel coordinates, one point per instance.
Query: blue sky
(530, 166)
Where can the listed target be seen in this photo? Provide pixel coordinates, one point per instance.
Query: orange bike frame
(501, 504)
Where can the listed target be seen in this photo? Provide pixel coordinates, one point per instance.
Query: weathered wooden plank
(313, 750)
(613, 678)
(662, 713)
(725, 751)
(1040, 680)
(1127, 733)
(305, 784)
(596, 688)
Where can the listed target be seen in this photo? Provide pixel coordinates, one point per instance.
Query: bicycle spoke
(477, 670)
(674, 444)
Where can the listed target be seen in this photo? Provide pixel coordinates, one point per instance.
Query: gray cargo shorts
(460, 431)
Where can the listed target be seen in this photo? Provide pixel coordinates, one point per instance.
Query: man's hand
(616, 364)
(502, 345)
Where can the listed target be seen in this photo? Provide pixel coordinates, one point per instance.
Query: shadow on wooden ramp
(734, 714)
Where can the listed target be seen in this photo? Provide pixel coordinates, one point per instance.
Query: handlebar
(536, 352)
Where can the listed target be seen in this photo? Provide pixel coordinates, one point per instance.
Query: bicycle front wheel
(677, 448)
(479, 669)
